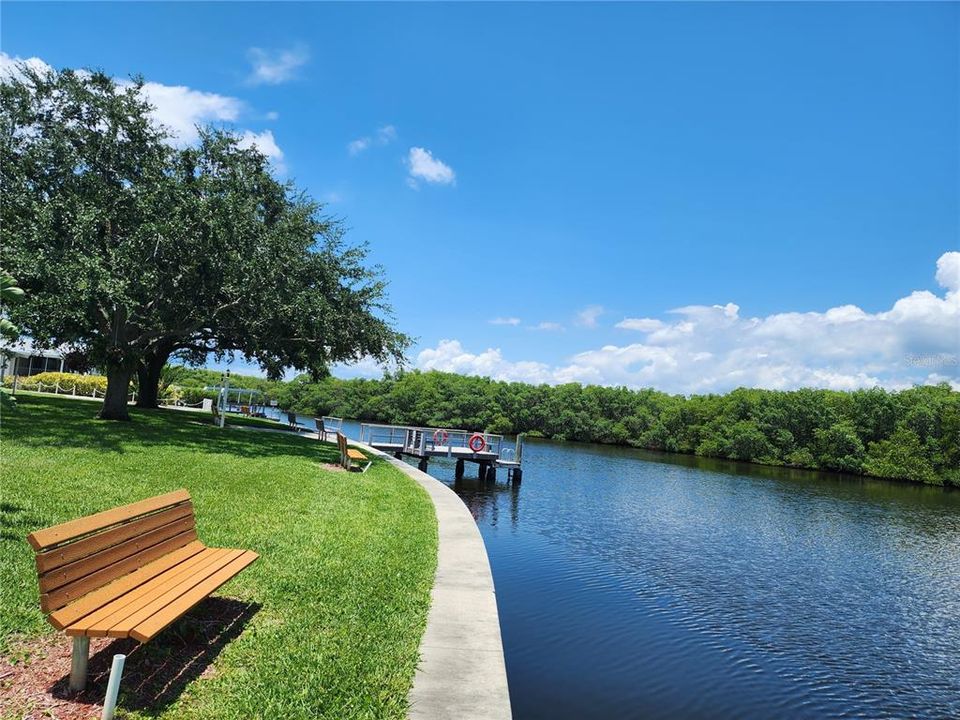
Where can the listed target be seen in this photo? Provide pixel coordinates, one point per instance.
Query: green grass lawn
(340, 592)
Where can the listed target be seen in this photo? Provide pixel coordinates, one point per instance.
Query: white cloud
(266, 144)
(713, 348)
(366, 367)
(450, 356)
(548, 326)
(10, 66)
(355, 147)
(424, 166)
(275, 67)
(948, 271)
(180, 109)
(384, 136)
(272, 115)
(504, 321)
(588, 316)
(640, 324)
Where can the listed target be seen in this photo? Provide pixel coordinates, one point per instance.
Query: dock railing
(376, 434)
(429, 440)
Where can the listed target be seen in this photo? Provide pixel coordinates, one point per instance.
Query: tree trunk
(148, 380)
(118, 389)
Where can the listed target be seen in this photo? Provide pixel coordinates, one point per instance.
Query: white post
(113, 687)
(78, 663)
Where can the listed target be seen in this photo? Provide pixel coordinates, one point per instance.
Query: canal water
(645, 585)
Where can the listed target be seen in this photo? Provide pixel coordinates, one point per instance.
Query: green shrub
(902, 457)
(84, 384)
(194, 395)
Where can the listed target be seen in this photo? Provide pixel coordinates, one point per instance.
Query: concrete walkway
(462, 673)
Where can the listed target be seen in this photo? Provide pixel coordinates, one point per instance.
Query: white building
(23, 359)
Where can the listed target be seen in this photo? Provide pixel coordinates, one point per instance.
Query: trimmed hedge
(85, 384)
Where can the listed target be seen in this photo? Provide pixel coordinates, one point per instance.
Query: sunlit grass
(346, 564)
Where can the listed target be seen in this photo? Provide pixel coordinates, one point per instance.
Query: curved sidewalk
(462, 673)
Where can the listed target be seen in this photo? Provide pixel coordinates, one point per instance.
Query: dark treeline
(911, 434)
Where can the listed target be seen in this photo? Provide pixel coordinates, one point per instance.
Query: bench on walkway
(327, 426)
(349, 454)
(127, 572)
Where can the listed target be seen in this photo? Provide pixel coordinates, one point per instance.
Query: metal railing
(39, 386)
(436, 440)
(376, 434)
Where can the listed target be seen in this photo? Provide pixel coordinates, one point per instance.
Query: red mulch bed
(34, 673)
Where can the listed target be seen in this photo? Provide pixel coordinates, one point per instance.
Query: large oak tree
(131, 249)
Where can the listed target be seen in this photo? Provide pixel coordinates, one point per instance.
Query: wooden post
(458, 471)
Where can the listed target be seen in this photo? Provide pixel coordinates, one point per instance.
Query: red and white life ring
(440, 437)
(477, 442)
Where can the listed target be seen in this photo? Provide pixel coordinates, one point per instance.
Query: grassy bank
(336, 604)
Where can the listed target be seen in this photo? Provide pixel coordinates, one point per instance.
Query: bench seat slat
(56, 599)
(147, 589)
(98, 598)
(71, 552)
(356, 454)
(150, 627)
(104, 558)
(48, 537)
(167, 589)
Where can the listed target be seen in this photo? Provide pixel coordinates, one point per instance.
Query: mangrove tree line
(912, 434)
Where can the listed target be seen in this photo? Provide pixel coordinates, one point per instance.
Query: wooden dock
(487, 450)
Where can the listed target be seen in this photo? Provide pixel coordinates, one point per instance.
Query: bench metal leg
(78, 665)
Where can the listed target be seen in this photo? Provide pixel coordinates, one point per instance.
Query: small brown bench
(349, 454)
(127, 572)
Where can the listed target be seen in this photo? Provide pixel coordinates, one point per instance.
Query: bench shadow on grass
(156, 673)
(59, 422)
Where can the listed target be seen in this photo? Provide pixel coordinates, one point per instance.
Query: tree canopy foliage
(911, 434)
(9, 292)
(132, 249)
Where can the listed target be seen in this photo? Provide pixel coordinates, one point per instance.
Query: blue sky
(568, 168)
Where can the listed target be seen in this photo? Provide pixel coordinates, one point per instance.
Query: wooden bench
(127, 572)
(349, 454)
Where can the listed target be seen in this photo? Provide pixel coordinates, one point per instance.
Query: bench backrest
(79, 556)
(342, 445)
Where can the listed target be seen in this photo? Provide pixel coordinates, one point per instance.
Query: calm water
(635, 584)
